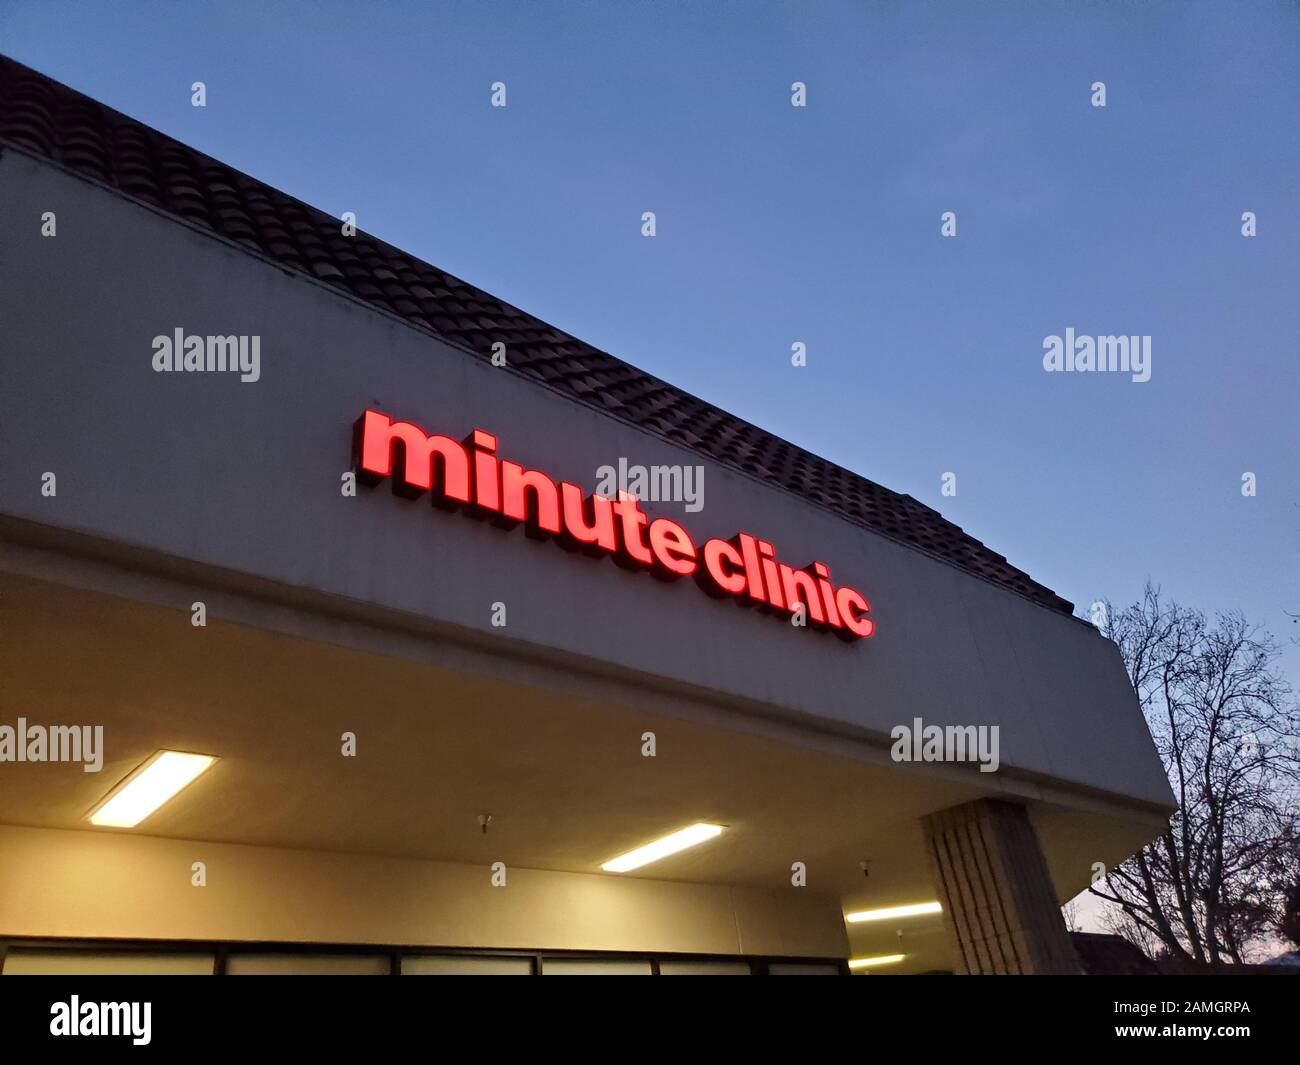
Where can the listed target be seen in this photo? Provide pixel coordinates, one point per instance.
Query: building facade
(280, 494)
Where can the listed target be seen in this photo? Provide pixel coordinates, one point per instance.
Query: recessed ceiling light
(166, 773)
(879, 959)
(890, 912)
(677, 841)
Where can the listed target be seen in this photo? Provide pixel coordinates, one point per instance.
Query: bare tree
(1289, 924)
(1225, 723)
(1118, 923)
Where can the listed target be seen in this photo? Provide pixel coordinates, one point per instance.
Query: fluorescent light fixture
(879, 959)
(166, 773)
(890, 912)
(696, 834)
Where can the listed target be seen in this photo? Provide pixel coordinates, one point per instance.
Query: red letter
(753, 572)
(772, 578)
(850, 601)
(487, 489)
(673, 550)
(377, 435)
(823, 575)
(716, 553)
(545, 514)
(590, 523)
(632, 518)
(796, 584)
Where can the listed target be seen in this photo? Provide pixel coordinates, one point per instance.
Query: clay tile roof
(49, 120)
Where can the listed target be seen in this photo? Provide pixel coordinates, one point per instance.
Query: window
(705, 968)
(595, 967)
(465, 965)
(21, 961)
(307, 965)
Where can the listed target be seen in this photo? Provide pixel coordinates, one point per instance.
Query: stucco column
(998, 900)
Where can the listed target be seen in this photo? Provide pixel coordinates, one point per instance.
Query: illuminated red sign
(469, 474)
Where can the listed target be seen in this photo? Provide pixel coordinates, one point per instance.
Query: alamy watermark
(1089, 354)
(654, 484)
(53, 743)
(208, 354)
(919, 742)
(77, 1018)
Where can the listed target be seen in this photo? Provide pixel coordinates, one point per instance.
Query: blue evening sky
(821, 224)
